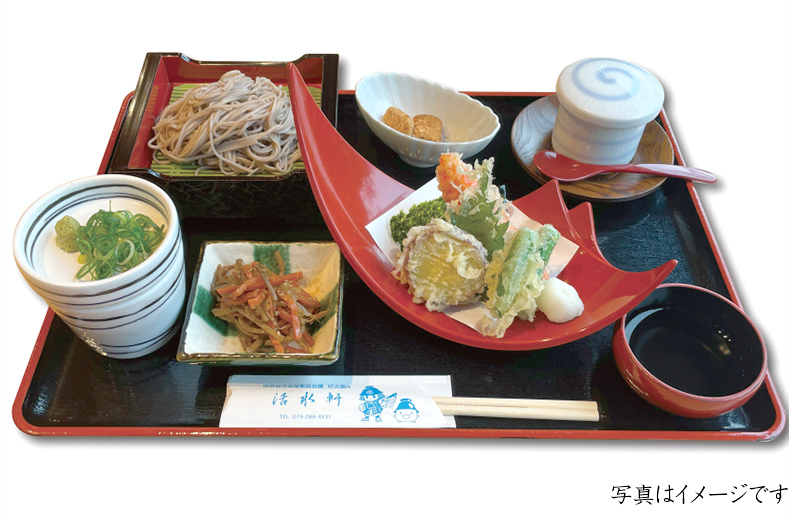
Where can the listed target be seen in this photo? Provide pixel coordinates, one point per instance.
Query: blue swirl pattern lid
(610, 93)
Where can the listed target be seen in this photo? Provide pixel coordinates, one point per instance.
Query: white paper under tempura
(475, 315)
(260, 401)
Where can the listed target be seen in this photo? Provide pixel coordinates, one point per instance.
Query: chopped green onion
(112, 242)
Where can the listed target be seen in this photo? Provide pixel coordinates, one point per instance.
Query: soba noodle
(237, 125)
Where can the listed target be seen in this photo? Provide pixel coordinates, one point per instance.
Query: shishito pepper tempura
(515, 277)
(472, 254)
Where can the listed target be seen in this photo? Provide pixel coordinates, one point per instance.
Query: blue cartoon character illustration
(373, 401)
(406, 411)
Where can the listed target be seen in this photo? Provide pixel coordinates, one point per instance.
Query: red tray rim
(144, 431)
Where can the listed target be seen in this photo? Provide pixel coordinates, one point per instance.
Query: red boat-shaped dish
(351, 193)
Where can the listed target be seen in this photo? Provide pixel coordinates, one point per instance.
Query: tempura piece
(515, 276)
(475, 203)
(419, 214)
(454, 176)
(442, 265)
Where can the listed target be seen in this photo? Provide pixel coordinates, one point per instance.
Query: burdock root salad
(460, 248)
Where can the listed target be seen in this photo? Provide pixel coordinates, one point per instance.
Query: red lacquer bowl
(689, 351)
(351, 193)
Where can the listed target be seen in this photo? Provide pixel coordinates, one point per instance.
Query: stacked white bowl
(127, 315)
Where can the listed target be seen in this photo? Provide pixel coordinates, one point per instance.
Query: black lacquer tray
(70, 390)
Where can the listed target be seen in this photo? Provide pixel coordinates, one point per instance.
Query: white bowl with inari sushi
(420, 120)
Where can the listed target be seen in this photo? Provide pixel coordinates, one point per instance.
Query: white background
(725, 69)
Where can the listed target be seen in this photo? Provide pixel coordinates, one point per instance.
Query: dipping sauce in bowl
(690, 351)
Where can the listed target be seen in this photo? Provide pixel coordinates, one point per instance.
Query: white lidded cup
(604, 106)
(130, 314)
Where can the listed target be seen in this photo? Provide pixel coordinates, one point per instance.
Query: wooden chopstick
(518, 403)
(519, 408)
